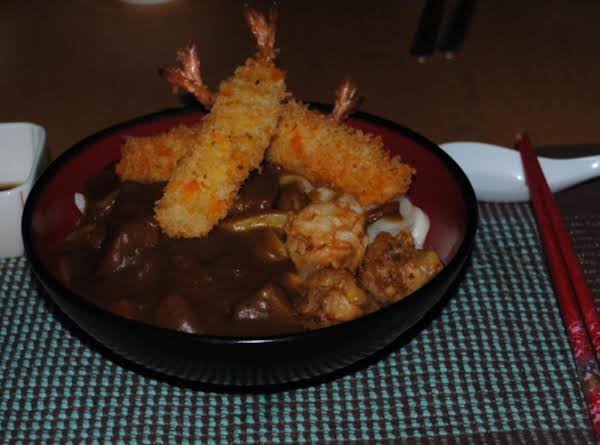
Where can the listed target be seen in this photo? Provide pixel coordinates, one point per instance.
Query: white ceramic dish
(22, 159)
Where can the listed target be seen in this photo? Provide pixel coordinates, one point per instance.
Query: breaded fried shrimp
(231, 143)
(153, 158)
(329, 153)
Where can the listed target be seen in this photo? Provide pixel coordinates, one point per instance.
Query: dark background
(77, 66)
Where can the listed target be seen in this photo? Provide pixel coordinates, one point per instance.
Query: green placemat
(493, 366)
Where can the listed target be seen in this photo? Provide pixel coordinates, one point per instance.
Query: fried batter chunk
(393, 268)
(329, 234)
(332, 296)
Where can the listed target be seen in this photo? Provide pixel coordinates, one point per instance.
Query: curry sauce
(226, 283)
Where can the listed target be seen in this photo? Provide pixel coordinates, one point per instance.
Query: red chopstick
(579, 312)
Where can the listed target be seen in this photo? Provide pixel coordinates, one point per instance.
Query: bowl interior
(439, 188)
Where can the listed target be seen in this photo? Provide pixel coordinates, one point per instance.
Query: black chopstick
(424, 40)
(457, 28)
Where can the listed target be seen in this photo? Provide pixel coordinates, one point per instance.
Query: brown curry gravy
(220, 284)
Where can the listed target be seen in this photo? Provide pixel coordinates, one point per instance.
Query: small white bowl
(22, 159)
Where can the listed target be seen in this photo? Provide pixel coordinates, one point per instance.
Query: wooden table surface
(77, 66)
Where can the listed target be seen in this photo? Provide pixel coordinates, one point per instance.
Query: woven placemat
(494, 365)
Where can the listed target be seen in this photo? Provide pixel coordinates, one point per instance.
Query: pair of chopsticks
(425, 40)
(576, 302)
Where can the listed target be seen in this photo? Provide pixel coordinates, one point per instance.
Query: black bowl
(441, 189)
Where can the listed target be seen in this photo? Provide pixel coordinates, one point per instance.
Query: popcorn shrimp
(329, 234)
(231, 142)
(393, 268)
(331, 296)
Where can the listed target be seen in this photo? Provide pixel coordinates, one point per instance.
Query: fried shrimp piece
(329, 153)
(332, 296)
(329, 234)
(393, 268)
(231, 142)
(151, 159)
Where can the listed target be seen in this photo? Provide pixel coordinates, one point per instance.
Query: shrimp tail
(264, 31)
(346, 100)
(187, 76)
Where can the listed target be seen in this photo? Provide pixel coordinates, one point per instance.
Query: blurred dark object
(425, 38)
(457, 28)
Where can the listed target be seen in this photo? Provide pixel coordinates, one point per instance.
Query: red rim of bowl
(453, 266)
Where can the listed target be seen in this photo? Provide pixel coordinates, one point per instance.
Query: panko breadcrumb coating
(153, 158)
(231, 142)
(332, 154)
